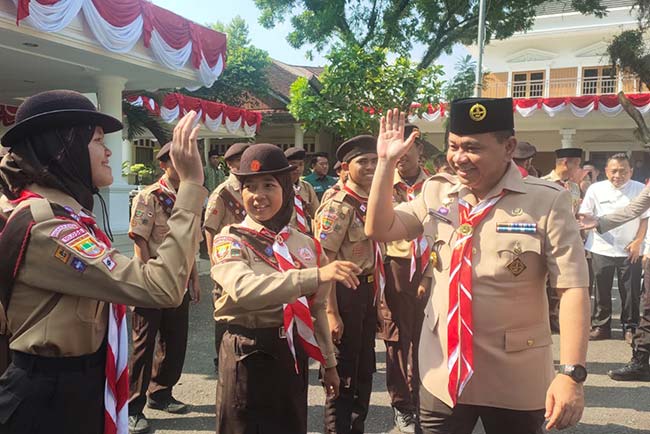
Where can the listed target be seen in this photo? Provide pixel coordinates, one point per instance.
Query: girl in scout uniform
(62, 286)
(275, 282)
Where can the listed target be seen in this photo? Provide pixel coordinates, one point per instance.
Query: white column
(509, 84)
(109, 98)
(567, 137)
(547, 82)
(298, 136)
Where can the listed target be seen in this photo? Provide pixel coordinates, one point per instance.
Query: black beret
(213, 152)
(295, 153)
(568, 153)
(356, 146)
(262, 159)
(524, 150)
(164, 151)
(480, 115)
(235, 150)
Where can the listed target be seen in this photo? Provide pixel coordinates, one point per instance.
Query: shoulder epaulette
(531, 180)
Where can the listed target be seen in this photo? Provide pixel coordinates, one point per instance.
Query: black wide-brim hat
(56, 109)
(263, 159)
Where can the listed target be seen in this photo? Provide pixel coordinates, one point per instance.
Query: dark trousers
(436, 417)
(40, 395)
(401, 315)
(641, 340)
(258, 390)
(157, 373)
(355, 355)
(5, 353)
(629, 288)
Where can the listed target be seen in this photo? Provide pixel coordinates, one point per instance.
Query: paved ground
(612, 408)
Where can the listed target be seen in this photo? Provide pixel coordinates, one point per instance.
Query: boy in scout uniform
(152, 379)
(306, 201)
(352, 314)
(225, 207)
(65, 303)
(485, 348)
(401, 310)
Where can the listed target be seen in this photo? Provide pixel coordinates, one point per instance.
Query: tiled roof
(564, 6)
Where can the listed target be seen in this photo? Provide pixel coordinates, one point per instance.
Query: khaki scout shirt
(254, 291)
(148, 217)
(402, 248)
(58, 307)
(513, 361)
(340, 230)
(217, 213)
(5, 210)
(572, 187)
(332, 190)
(310, 203)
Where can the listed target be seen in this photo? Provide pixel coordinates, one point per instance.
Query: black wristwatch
(578, 373)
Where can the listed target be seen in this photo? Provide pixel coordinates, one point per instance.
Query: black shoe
(637, 369)
(600, 333)
(138, 424)
(170, 405)
(405, 422)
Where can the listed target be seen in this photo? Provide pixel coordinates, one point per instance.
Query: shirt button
(530, 342)
(474, 250)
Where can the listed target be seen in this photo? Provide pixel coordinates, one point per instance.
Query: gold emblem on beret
(477, 112)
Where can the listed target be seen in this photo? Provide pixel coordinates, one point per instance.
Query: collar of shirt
(511, 181)
(168, 184)
(397, 178)
(355, 188)
(233, 181)
(59, 197)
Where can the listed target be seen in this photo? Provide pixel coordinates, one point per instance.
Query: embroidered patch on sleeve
(327, 220)
(71, 236)
(87, 247)
(306, 254)
(109, 263)
(62, 254)
(78, 265)
(222, 246)
(56, 232)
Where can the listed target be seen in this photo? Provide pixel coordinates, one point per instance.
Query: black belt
(59, 364)
(262, 332)
(368, 278)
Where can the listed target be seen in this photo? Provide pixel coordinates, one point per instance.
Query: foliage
(399, 25)
(144, 173)
(244, 74)
(355, 84)
(463, 83)
(138, 120)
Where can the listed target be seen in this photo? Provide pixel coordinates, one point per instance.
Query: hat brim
(289, 168)
(59, 119)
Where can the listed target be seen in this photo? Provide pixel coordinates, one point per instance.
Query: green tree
(398, 25)
(463, 83)
(244, 75)
(355, 84)
(630, 53)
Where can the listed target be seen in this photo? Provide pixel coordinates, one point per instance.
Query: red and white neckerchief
(296, 314)
(460, 351)
(378, 272)
(116, 389)
(301, 220)
(420, 249)
(167, 189)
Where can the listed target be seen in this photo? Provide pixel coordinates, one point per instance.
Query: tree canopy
(400, 25)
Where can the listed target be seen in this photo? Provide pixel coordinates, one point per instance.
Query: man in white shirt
(617, 250)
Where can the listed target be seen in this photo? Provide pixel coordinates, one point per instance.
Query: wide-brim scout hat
(295, 153)
(568, 153)
(469, 116)
(356, 146)
(56, 109)
(164, 151)
(524, 151)
(263, 159)
(235, 150)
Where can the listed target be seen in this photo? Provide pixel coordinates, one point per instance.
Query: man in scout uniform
(401, 310)
(485, 349)
(523, 158)
(305, 201)
(352, 314)
(342, 177)
(318, 178)
(225, 207)
(157, 376)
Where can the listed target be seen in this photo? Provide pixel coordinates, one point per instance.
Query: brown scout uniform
(401, 313)
(157, 376)
(310, 204)
(333, 189)
(224, 206)
(258, 388)
(58, 310)
(339, 226)
(513, 361)
(5, 357)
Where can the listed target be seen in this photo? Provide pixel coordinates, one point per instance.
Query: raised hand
(184, 151)
(391, 144)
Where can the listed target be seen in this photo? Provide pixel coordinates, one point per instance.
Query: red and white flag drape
(460, 352)
(420, 250)
(119, 25)
(297, 314)
(301, 220)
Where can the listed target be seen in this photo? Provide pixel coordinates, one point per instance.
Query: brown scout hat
(337, 166)
(356, 146)
(164, 151)
(480, 115)
(235, 150)
(56, 109)
(263, 159)
(295, 153)
(524, 151)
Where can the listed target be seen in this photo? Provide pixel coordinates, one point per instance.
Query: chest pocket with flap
(518, 257)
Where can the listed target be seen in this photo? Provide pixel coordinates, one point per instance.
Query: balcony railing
(559, 87)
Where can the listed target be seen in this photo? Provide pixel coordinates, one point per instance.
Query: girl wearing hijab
(62, 287)
(275, 283)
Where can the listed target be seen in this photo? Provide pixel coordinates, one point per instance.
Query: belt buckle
(370, 278)
(282, 334)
